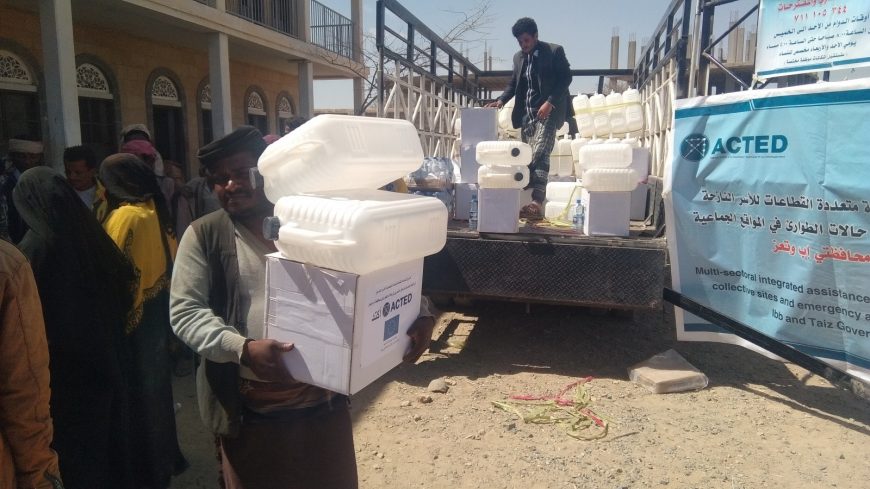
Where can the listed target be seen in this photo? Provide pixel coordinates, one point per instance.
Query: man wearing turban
(23, 155)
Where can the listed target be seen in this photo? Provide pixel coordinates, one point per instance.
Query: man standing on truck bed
(541, 76)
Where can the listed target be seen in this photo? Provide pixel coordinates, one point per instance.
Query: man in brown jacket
(26, 460)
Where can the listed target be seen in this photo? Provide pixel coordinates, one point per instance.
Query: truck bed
(549, 264)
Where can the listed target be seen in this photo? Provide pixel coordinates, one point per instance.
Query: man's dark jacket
(554, 76)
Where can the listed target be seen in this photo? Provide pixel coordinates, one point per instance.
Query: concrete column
(356, 17)
(61, 93)
(219, 79)
(359, 86)
(303, 20)
(306, 88)
(220, 5)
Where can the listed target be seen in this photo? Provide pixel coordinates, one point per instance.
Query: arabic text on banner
(812, 35)
(768, 202)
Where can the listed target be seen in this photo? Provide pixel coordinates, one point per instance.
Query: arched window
(19, 101)
(164, 92)
(92, 82)
(167, 115)
(96, 110)
(255, 110)
(285, 112)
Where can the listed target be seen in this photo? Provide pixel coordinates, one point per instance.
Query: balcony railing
(278, 15)
(210, 3)
(331, 30)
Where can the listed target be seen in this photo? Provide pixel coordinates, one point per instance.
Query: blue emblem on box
(391, 327)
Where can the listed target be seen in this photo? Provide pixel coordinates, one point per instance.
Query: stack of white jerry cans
(608, 180)
(346, 284)
(610, 167)
(503, 174)
(561, 162)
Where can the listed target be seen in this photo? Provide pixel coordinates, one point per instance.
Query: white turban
(25, 146)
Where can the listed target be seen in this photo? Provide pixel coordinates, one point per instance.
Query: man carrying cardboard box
(272, 430)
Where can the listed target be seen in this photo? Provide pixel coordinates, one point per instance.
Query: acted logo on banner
(696, 146)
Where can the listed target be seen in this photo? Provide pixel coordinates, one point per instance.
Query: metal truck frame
(426, 81)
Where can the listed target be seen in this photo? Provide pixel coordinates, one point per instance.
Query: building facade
(78, 71)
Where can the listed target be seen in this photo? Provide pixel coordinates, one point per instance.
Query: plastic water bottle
(472, 214)
(579, 215)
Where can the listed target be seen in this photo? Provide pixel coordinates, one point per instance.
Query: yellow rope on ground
(573, 414)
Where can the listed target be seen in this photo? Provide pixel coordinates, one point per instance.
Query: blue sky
(584, 27)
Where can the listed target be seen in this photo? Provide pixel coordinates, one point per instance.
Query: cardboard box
(462, 199)
(607, 213)
(348, 330)
(640, 163)
(478, 124)
(468, 166)
(639, 197)
(498, 210)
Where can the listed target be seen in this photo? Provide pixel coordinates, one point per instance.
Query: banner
(768, 208)
(812, 35)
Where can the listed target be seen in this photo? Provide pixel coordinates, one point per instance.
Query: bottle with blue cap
(579, 215)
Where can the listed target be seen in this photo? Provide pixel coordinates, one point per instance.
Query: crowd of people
(100, 242)
(120, 265)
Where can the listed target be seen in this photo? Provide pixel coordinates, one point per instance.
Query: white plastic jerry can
(633, 110)
(563, 191)
(516, 176)
(610, 180)
(615, 155)
(503, 153)
(339, 152)
(616, 113)
(561, 160)
(600, 118)
(583, 116)
(357, 231)
(576, 144)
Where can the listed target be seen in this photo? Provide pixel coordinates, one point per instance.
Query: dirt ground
(759, 424)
